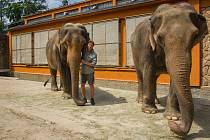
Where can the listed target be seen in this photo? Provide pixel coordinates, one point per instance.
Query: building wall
(205, 51)
(112, 41)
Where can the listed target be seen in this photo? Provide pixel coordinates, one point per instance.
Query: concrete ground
(29, 111)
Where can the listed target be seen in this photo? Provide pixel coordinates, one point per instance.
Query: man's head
(90, 45)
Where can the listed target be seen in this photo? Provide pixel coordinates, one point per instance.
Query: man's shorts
(87, 77)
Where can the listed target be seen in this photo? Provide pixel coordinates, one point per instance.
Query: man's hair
(91, 41)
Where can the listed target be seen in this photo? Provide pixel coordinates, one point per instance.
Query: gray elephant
(64, 52)
(163, 44)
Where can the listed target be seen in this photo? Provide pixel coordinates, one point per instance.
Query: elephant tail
(45, 83)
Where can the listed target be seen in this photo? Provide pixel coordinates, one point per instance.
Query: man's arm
(93, 63)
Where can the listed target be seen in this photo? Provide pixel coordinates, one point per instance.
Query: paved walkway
(30, 111)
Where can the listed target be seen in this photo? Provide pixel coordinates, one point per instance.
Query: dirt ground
(29, 111)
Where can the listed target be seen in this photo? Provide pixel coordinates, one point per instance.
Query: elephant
(160, 44)
(64, 51)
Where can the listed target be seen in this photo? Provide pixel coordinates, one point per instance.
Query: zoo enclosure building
(110, 24)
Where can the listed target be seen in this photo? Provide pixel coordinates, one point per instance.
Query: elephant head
(73, 38)
(176, 29)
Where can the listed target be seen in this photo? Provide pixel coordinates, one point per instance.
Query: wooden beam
(122, 42)
(10, 50)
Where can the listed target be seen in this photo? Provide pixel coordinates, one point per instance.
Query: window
(97, 6)
(21, 49)
(66, 13)
(106, 38)
(40, 41)
(131, 23)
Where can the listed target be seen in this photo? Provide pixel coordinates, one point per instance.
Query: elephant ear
(84, 31)
(154, 23)
(64, 35)
(200, 23)
(85, 34)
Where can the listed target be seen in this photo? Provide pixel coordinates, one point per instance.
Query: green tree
(16, 10)
(64, 2)
(3, 6)
(33, 6)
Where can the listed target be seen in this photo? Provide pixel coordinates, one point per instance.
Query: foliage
(3, 4)
(15, 10)
(65, 2)
(1, 26)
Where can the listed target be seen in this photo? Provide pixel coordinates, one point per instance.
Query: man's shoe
(85, 100)
(92, 101)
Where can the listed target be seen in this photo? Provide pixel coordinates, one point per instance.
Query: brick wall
(205, 52)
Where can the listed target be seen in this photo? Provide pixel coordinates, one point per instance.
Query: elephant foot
(149, 109)
(172, 115)
(60, 88)
(54, 88)
(139, 99)
(157, 101)
(66, 96)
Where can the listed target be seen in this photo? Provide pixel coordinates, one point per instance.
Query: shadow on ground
(103, 97)
(201, 117)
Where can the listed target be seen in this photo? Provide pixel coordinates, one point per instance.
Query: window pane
(40, 56)
(25, 56)
(100, 50)
(99, 33)
(112, 31)
(112, 54)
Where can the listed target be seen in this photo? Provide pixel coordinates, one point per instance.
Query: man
(89, 61)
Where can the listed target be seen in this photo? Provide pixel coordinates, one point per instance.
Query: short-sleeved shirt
(90, 57)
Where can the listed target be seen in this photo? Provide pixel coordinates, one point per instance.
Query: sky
(57, 3)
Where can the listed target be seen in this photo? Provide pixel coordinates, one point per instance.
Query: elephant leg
(172, 111)
(157, 101)
(149, 89)
(54, 86)
(140, 87)
(67, 84)
(61, 84)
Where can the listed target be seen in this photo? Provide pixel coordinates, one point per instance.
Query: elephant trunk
(179, 71)
(74, 64)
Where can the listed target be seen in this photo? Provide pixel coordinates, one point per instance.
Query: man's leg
(91, 84)
(91, 90)
(83, 81)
